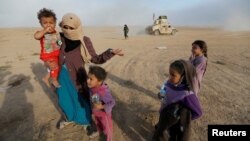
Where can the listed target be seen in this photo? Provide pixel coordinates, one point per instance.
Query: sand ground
(28, 109)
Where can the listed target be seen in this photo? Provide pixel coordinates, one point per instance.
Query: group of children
(178, 94)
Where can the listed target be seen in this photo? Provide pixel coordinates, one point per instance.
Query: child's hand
(118, 52)
(39, 34)
(98, 106)
(159, 96)
(49, 29)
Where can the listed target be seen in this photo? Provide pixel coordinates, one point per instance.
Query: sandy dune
(28, 109)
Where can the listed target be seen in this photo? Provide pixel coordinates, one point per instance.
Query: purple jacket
(105, 97)
(200, 64)
(180, 94)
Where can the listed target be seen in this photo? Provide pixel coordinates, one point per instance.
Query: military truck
(161, 27)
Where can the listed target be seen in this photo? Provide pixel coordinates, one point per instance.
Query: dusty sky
(230, 14)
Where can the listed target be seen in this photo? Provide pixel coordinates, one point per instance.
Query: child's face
(48, 22)
(93, 81)
(175, 77)
(196, 50)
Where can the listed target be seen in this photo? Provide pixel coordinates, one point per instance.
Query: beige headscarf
(73, 21)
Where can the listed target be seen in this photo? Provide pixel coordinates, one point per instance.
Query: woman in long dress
(77, 51)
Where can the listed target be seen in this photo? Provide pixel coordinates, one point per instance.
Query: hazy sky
(230, 14)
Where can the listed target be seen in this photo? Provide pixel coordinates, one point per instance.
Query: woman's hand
(118, 52)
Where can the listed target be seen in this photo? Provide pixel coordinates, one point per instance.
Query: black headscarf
(71, 44)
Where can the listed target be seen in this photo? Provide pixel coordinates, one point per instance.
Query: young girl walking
(199, 58)
(180, 103)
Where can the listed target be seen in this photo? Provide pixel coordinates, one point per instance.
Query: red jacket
(49, 47)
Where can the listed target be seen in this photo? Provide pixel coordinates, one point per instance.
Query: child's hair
(46, 13)
(99, 72)
(187, 71)
(202, 45)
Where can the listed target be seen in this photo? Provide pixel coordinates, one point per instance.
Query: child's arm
(200, 69)
(163, 91)
(192, 103)
(108, 101)
(39, 34)
(107, 106)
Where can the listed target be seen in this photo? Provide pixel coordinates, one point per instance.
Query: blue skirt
(75, 107)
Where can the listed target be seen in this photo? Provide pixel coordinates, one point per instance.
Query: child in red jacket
(50, 44)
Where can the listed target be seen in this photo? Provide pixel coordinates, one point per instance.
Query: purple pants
(103, 122)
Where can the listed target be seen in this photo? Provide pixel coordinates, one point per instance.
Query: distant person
(50, 44)
(125, 30)
(179, 103)
(199, 58)
(102, 103)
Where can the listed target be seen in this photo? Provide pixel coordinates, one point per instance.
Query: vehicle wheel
(173, 32)
(149, 30)
(156, 32)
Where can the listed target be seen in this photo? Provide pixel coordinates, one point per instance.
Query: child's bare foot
(46, 81)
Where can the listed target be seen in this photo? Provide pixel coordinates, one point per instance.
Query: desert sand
(29, 110)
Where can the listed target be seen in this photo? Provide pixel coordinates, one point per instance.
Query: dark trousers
(173, 125)
(125, 34)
